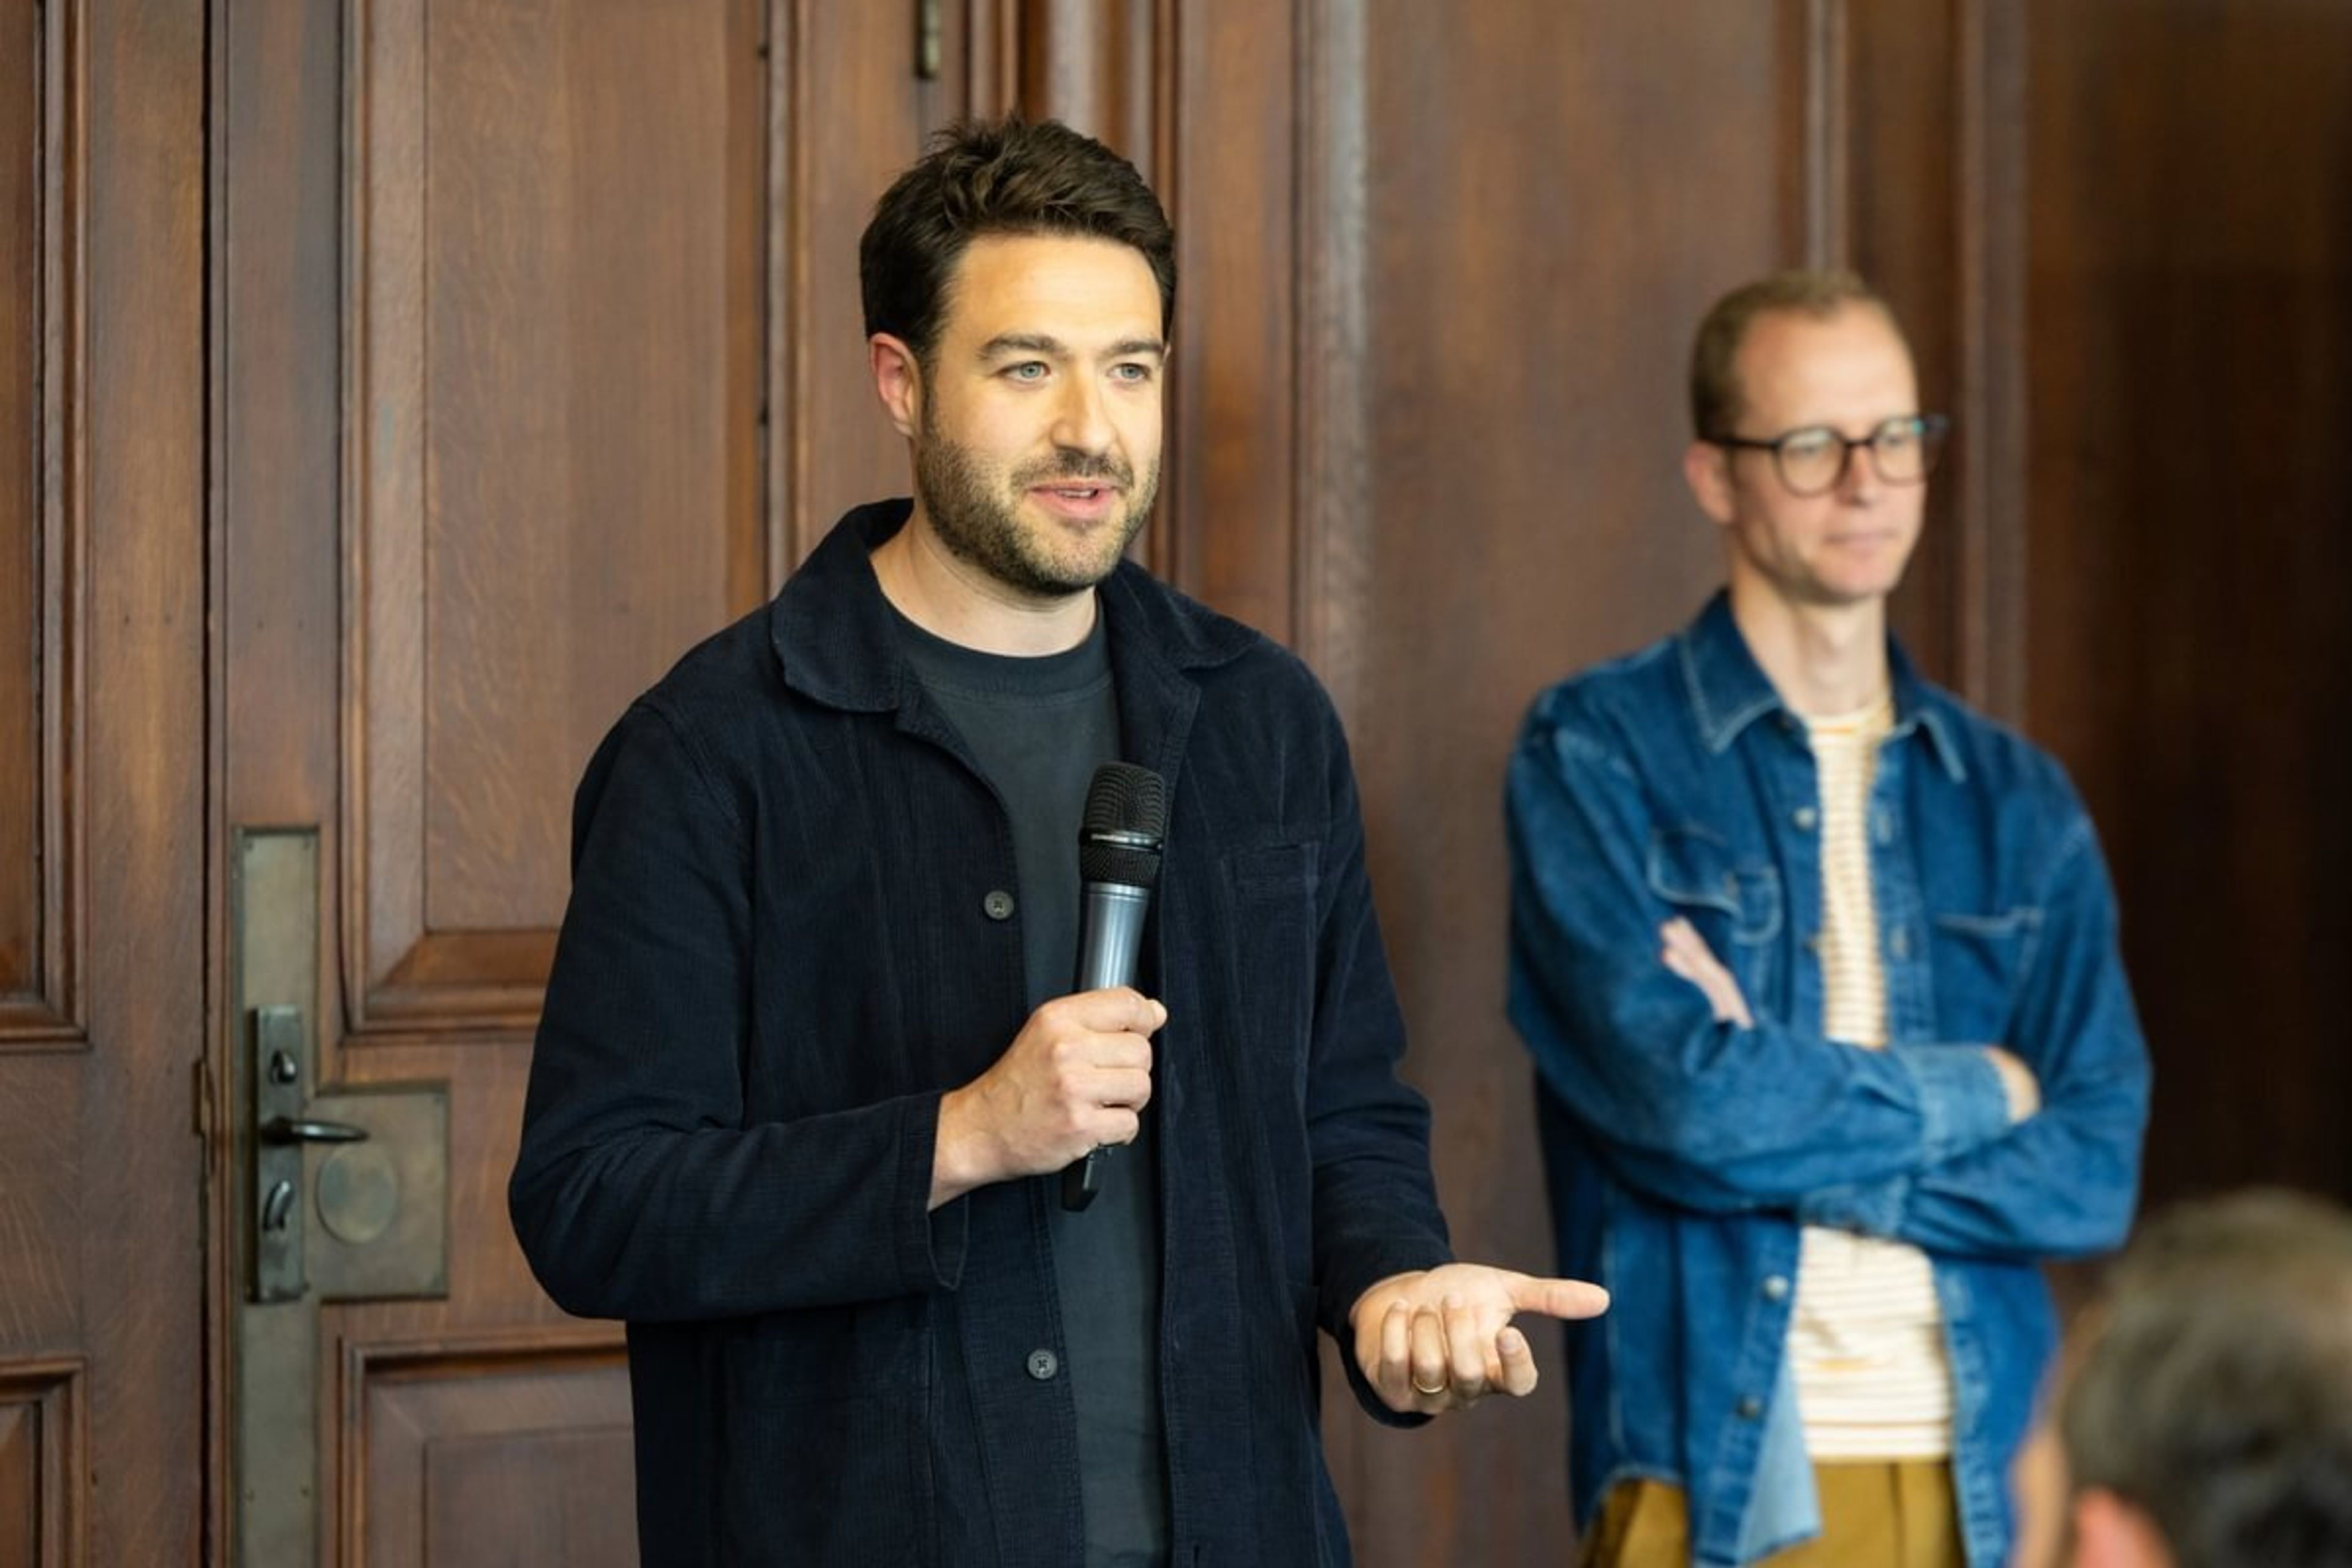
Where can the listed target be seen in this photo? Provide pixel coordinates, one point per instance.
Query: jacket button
(1776, 1287)
(1813, 944)
(1900, 943)
(1805, 816)
(1750, 1408)
(998, 905)
(1044, 1364)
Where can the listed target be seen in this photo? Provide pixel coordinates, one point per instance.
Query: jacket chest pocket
(1270, 891)
(1734, 902)
(1980, 963)
(1693, 869)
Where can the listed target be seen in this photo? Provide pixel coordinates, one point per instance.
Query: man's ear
(2110, 1532)
(1707, 468)
(897, 380)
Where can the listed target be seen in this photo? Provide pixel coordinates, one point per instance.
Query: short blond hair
(1819, 294)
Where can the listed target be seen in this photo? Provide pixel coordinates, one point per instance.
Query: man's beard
(979, 522)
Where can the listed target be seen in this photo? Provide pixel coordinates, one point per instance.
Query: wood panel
(1547, 210)
(2190, 335)
(101, 489)
(527, 298)
(24, 161)
(559, 312)
(850, 113)
(1933, 93)
(455, 1436)
(41, 528)
(44, 1463)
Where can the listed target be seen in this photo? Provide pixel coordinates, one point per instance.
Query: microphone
(1118, 865)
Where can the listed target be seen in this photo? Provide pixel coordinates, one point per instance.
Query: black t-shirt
(1039, 728)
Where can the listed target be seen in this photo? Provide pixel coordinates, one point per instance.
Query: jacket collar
(1728, 689)
(830, 625)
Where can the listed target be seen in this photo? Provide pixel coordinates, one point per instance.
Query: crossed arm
(2020, 1149)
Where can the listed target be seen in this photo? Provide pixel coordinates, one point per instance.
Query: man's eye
(1135, 374)
(1899, 436)
(1027, 369)
(1802, 446)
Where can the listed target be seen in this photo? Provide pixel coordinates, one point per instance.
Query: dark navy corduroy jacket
(781, 949)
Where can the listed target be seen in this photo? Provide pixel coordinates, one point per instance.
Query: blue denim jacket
(1683, 1153)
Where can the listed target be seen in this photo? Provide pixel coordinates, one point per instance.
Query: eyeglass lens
(1814, 460)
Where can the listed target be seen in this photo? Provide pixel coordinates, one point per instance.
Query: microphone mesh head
(1125, 819)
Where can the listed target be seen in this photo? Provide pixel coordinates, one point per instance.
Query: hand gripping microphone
(1118, 865)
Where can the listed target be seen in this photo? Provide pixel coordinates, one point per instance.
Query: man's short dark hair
(2215, 1391)
(1715, 390)
(1000, 176)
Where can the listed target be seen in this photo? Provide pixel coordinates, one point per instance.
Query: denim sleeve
(638, 1191)
(1697, 1112)
(2064, 1182)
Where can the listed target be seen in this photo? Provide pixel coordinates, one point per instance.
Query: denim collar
(831, 630)
(1729, 690)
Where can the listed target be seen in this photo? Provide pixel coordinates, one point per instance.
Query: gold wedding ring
(1418, 1389)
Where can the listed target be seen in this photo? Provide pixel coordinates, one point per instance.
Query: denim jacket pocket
(1735, 906)
(1693, 869)
(1980, 961)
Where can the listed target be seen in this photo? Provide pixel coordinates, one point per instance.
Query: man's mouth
(1079, 501)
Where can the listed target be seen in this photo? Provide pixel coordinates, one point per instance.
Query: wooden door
(102, 781)
(535, 326)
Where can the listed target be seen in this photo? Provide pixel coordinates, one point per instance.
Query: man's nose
(1860, 479)
(1081, 418)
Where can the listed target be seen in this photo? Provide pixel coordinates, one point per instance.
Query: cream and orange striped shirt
(1866, 1338)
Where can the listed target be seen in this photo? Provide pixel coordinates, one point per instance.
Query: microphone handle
(1110, 935)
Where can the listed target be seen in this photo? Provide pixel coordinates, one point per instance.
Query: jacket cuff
(931, 1241)
(1961, 1101)
(1872, 1209)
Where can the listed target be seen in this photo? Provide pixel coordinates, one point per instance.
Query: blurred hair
(1006, 176)
(2214, 1391)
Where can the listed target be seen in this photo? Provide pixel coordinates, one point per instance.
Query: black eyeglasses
(1812, 460)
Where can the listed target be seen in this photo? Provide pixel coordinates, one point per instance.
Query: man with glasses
(1819, 970)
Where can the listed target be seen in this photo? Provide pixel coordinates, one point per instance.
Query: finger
(1466, 1351)
(1111, 1010)
(1396, 1351)
(1430, 1375)
(1125, 1089)
(1564, 1299)
(1518, 1377)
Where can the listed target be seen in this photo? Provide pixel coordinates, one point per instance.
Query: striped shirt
(1865, 1339)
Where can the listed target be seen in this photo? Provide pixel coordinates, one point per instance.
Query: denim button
(1750, 1408)
(1900, 943)
(1813, 944)
(998, 905)
(1805, 816)
(1776, 1287)
(1044, 1364)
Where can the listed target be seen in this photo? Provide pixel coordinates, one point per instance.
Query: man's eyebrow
(1020, 343)
(1052, 347)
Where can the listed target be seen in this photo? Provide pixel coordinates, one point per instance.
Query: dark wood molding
(398, 1398)
(45, 1454)
(44, 1010)
(1989, 326)
(1331, 510)
(1824, 163)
